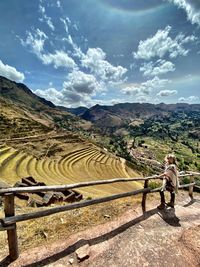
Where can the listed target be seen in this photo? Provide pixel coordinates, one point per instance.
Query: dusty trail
(167, 238)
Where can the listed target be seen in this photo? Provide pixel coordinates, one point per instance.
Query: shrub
(154, 184)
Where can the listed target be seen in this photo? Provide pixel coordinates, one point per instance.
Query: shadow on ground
(170, 217)
(192, 201)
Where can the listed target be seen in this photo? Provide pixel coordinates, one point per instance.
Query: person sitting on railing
(170, 181)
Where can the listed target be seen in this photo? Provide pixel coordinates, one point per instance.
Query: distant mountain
(145, 133)
(76, 111)
(111, 116)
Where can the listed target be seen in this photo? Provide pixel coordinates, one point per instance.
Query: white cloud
(161, 44)
(190, 99)
(76, 50)
(65, 23)
(45, 18)
(137, 94)
(142, 98)
(158, 68)
(145, 88)
(80, 82)
(131, 90)
(78, 90)
(50, 94)
(191, 7)
(156, 83)
(165, 93)
(11, 72)
(95, 61)
(58, 4)
(58, 59)
(36, 42)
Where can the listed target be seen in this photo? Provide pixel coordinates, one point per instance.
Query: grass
(60, 226)
(82, 162)
(68, 163)
(160, 148)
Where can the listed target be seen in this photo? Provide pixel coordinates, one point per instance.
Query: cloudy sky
(84, 52)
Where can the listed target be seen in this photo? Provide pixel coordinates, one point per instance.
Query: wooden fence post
(146, 182)
(9, 209)
(191, 187)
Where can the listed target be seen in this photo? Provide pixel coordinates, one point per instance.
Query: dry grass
(60, 226)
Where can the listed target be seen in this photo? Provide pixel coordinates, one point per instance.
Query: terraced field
(83, 163)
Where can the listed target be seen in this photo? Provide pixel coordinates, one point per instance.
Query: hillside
(21, 95)
(145, 133)
(22, 113)
(64, 160)
(50, 144)
(128, 112)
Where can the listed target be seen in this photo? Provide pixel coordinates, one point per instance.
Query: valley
(56, 146)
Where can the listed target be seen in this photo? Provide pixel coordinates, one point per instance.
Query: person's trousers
(162, 195)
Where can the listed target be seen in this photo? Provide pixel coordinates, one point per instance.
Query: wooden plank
(33, 189)
(43, 213)
(144, 196)
(186, 185)
(194, 173)
(9, 210)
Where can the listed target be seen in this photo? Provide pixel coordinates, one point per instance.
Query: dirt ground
(156, 238)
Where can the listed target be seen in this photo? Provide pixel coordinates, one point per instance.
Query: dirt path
(167, 238)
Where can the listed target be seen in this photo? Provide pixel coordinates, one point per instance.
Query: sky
(87, 52)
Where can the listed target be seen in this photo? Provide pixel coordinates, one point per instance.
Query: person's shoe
(170, 204)
(161, 206)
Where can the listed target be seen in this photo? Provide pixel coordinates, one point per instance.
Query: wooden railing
(9, 222)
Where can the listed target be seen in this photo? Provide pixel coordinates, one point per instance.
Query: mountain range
(20, 106)
(23, 113)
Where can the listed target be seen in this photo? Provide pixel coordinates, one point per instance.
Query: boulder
(83, 252)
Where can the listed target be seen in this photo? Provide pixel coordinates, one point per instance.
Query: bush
(185, 180)
(154, 184)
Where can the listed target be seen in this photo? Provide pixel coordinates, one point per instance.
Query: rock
(71, 261)
(83, 252)
(106, 216)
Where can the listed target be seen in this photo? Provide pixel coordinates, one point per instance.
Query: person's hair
(173, 157)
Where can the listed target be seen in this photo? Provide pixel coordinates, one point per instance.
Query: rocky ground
(157, 238)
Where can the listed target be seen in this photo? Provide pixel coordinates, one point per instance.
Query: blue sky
(84, 52)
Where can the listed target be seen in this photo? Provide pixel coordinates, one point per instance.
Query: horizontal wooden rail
(33, 189)
(38, 214)
(186, 185)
